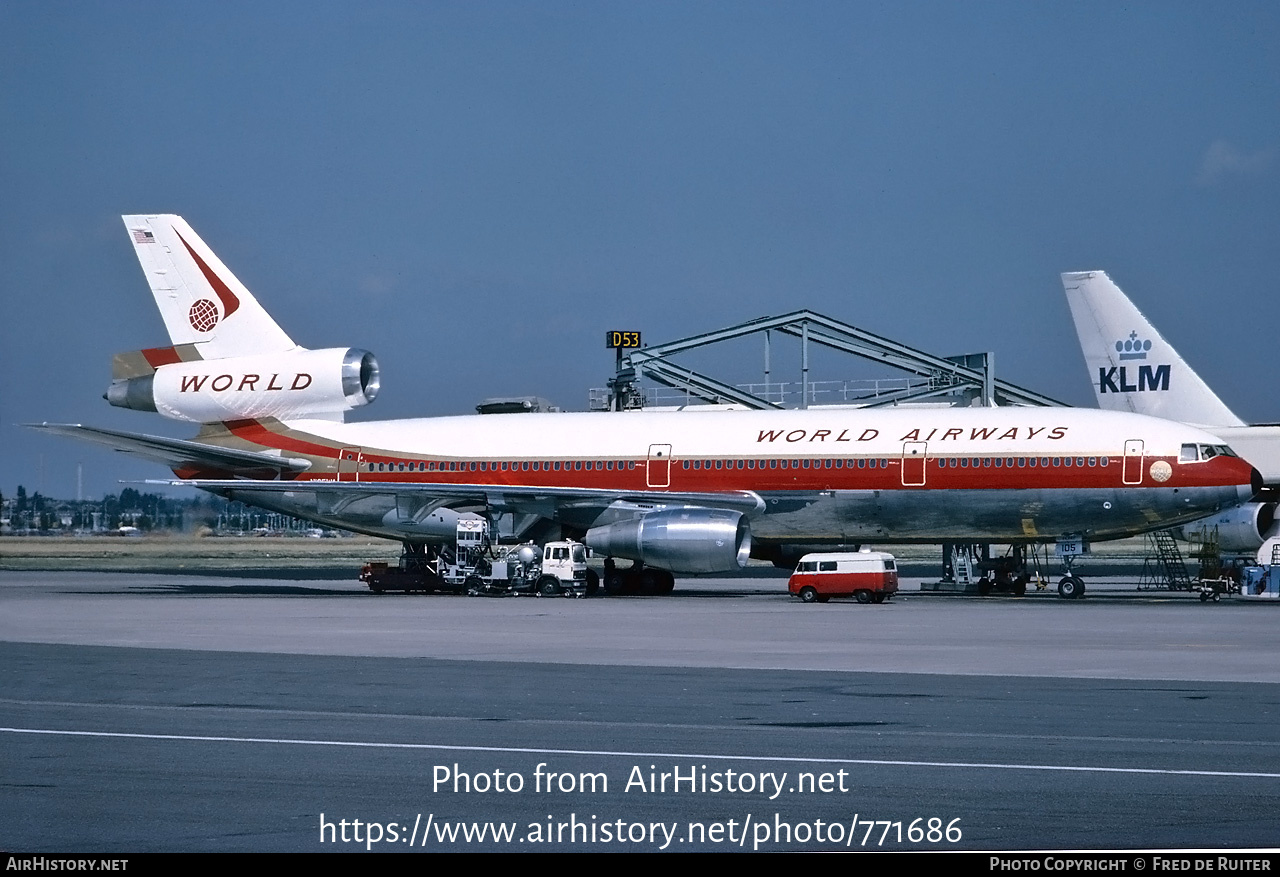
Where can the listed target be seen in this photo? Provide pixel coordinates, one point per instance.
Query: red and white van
(867, 576)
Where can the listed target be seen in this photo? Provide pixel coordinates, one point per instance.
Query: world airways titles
(955, 433)
(223, 382)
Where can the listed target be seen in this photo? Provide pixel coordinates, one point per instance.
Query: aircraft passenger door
(349, 460)
(913, 460)
(658, 472)
(1133, 461)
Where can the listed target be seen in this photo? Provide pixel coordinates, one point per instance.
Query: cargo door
(349, 460)
(658, 472)
(1133, 461)
(913, 459)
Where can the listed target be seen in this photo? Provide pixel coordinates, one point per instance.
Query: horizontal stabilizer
(177, 453)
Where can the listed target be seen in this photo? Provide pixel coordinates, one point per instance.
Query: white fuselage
(823, 476)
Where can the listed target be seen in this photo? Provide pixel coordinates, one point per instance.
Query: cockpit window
(1189, 454)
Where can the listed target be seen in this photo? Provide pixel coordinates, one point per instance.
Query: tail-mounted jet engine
(297, 384)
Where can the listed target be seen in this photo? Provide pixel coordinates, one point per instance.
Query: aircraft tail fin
(201, 301)
(1130, 364)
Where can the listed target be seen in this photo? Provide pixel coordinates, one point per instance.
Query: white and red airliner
(685, 491)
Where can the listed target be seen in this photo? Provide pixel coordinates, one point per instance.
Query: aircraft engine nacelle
(297, 384)
(1241, 530)
(679, 540)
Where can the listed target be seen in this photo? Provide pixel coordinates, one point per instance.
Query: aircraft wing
(538, 500)
(177, 453)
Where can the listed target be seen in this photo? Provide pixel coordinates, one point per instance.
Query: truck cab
(564, 568)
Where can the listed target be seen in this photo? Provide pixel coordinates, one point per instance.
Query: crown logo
(1132, 348)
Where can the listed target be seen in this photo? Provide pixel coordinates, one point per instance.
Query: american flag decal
(142, 236)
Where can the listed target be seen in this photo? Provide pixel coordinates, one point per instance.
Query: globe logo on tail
(203, 315)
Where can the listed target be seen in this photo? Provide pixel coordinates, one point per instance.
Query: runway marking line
(609, 753)
(876, 730)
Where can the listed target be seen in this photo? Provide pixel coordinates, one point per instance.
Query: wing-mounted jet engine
(681, 540)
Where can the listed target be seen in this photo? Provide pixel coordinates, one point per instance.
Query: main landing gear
(637, 579)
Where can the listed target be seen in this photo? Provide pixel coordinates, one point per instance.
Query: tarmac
(158, 712)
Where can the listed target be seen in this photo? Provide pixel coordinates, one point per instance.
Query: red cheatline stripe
(229, 301)
(746, 479)
(1218, 473)
(253, 431)
(158, 356)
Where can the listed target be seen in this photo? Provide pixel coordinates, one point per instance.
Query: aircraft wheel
(862, 596)
(877, 598)
(984, 587)
(593, 583)
(1020, 585)
(1071, 588)
(808, 594)
(650, 582)
(614, 583)
(667, 583)
(548, 586)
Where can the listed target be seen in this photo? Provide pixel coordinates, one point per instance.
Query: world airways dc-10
(684, 491)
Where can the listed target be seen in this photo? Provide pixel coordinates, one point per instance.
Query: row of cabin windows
(610, 465)
(1021, 462)
(942, 462)
(486, 466)
(783, 464)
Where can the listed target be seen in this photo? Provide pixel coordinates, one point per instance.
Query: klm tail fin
(1132, 367)
(202, 303)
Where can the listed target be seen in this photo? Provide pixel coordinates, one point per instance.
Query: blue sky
(477, 191)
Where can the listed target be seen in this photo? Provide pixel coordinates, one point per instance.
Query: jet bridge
(961, 379)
